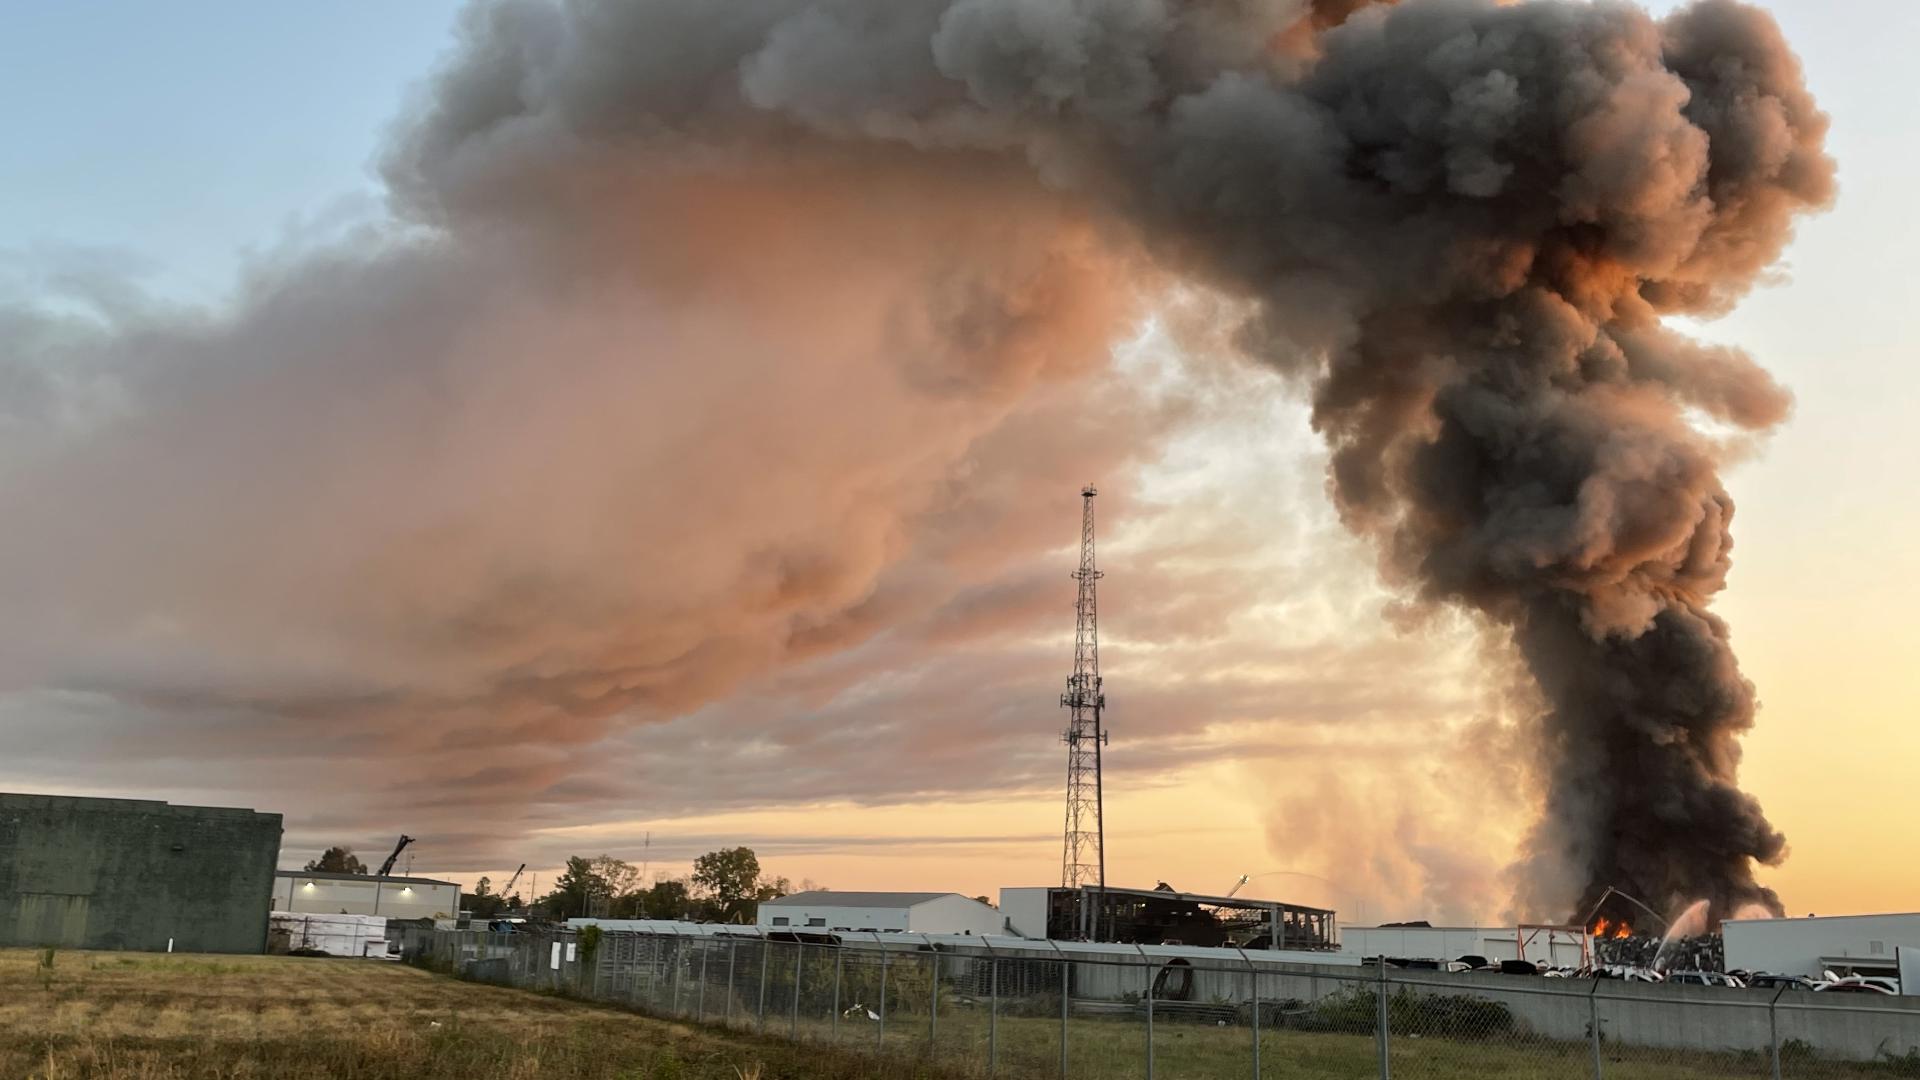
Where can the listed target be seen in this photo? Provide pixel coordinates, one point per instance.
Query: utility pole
(1084, 862)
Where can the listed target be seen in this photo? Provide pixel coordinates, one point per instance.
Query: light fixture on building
(308, 885)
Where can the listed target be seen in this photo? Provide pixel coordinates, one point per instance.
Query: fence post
(766, 954)
(679, 961)
(793, 1025)
(881, 1038)
(1254, 974)
(1384, 1038)
(1593, 1027)
(839, 959)
(1147, 966)
(1066, 980)
(733, 946)
(702, 1005)
(1773, 1030)
(933, 995)
(993, 1013)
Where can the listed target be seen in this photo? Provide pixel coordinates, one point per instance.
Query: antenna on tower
(1085, 861)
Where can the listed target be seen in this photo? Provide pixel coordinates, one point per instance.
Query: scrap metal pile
(1704, 952)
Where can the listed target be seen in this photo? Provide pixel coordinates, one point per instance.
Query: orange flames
(1607, 928)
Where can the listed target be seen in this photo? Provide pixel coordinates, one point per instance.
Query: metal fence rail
(1035, 1012)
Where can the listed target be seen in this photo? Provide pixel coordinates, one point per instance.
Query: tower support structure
(1084, 861)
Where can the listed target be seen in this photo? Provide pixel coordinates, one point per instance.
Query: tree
(614, 879)
(729, 878)
(669, 898)
(338, 860)
(572, 891)
(588, 887)
(483, 902)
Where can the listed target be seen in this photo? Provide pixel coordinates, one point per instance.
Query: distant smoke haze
(710, 339)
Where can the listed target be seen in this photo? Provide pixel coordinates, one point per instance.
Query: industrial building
(897, 912)
(1555, 946)
(1163, 916)
(1843, 944)
(321, 893)
(134, 874)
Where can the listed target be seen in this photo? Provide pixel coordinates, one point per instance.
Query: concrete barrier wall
(1856, 1027)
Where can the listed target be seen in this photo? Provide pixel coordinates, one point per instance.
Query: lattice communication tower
(1085, 862)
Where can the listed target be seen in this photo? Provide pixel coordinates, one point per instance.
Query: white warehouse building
(1842, 944)
(898, 912)
(316, 892)
(1556, 947)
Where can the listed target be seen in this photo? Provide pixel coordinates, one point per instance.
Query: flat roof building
(318, 892)
(1815, 945)
(822, 911)
(134, 874)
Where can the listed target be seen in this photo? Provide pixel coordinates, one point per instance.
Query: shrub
(1455, 1016)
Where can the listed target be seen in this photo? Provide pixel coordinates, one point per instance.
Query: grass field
(137, 1016)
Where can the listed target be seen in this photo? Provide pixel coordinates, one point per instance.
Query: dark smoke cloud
(699, 322)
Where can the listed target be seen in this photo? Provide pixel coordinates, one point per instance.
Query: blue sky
(182, 135)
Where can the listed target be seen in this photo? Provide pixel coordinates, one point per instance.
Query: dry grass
(132, 1016)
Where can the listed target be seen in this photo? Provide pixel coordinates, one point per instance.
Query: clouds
(715, 362)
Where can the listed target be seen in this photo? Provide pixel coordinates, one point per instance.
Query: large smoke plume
(1461, 223)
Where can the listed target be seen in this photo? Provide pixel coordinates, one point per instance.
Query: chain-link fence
(1031, 1009)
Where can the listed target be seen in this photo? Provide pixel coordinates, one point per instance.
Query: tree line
(725, 886)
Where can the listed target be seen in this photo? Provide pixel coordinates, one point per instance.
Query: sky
(1276, 710)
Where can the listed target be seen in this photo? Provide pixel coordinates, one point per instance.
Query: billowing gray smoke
(701, 322)
(1463, 222)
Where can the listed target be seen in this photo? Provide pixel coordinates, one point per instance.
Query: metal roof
(826, 898)
(1245, 902)
(329, 875)
(992, 943)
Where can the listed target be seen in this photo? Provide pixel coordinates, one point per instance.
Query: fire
(1607, 928)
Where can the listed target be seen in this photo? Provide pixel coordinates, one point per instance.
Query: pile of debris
(1702, 953)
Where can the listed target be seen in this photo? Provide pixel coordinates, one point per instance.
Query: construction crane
(1238, 885)
(508, 891)
(387, 867)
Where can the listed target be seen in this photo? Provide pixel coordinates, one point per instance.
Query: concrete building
(1558, 947)
(1842, 944)
(320, 893)
(134, 874)
(900, 912)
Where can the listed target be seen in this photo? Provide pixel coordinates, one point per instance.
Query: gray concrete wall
(1858, 1027)
(130, 874)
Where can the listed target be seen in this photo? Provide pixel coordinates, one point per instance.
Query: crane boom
(508, 891)
(387, 867)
